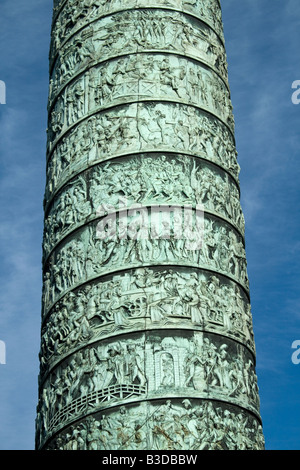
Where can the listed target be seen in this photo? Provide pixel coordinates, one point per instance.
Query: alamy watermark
(2, 352)
(296, 353)
(154, 222)
(296, 94)
(2, 92)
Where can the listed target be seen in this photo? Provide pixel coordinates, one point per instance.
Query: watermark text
(2, 352)
(2, 92)
(139, 222)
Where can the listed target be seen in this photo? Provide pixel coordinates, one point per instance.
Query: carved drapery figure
(145, 292)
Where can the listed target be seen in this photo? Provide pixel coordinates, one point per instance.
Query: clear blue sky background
(262, 40)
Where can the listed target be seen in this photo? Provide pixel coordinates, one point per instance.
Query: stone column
(147, 339)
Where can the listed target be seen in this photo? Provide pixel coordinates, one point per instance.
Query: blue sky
(262, 41)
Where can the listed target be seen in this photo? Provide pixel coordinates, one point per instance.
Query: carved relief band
(193, 365)
(150, 180)
(70, 19)
(146, 297)
(140, 128)
(171, 425)
(84, 255)
(133, 31)
(160, 77)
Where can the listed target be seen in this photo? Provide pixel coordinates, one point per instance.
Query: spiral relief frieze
(146, 328)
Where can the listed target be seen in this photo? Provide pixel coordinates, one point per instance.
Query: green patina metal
(147, 338)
